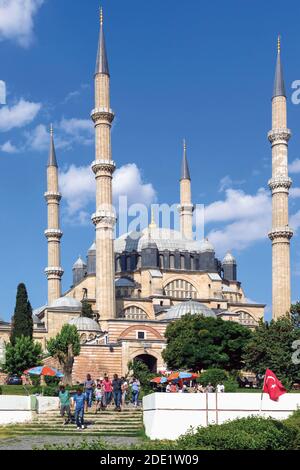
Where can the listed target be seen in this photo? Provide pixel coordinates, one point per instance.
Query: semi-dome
(85, 324)
(165, 239)
(207, 247)
(229, 259)
(66, 302)
(79, 263)
(189, 307)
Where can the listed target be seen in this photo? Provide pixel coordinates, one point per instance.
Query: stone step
(86, 432)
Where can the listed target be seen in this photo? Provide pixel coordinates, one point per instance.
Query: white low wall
(45, 404)
(14, 409)
(169, 415)
(17, 409)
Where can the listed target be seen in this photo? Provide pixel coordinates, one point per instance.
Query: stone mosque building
(140, 282)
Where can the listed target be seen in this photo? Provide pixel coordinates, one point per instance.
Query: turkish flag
(273, 386)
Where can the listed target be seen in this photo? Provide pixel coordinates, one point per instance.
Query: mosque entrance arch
(149, 360)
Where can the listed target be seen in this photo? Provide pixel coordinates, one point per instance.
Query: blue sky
(194, 69)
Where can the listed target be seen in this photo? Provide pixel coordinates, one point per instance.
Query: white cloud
(8, 147)
(294, 167)
(295, 193)
(238, 205)
(38, 138)
(79, 130)
(16, 20)
(247, 219)
(18, 115)
(227, 182)
(78, 189)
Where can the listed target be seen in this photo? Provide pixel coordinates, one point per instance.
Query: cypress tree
(87, 310)
(22, 322)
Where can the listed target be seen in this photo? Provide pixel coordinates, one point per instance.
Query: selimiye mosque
(140, 282)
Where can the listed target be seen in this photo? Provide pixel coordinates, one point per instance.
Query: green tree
(65, 347)
(295, 314)
(22, 355)
(196, 342)
(271, 348)
(86, 310)
(140, 371)
(22, 323)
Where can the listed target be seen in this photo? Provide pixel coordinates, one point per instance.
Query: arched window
(247, 319)
(161, 261)
(134, 313)
(172, 261)
(182, 262)
(180, 289)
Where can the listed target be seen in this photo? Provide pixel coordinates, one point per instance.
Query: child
(64, 402)
(79, 401)
(99, 395)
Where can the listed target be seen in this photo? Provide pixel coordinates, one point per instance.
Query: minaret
(280, 184)
(104, 219)
(186, 207)
(54, 271)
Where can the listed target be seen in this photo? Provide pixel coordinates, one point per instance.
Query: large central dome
(165, 239)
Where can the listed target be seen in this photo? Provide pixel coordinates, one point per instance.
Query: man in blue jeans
(79, 401)
(117, 390)
(89, 386)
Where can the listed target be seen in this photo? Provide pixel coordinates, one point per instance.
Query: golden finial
(153, 225)
(51, 129)
(279, 44)
(101, 16)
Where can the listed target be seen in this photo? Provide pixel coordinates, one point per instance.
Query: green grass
(16, 390)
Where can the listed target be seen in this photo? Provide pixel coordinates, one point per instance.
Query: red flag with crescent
(273, 386)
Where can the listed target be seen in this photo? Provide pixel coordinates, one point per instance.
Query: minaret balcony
(53, 234)
(279, 136)
(54, 272)
(102, 115)
(106, 166)
(186, 208)
(104, 218)
(280, 184)
(53, 197)
(281, 234)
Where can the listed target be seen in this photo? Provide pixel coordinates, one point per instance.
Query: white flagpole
(262, 394)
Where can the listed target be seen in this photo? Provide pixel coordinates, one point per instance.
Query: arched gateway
(149, 360)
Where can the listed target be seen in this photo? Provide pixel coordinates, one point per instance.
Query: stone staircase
(106, 423)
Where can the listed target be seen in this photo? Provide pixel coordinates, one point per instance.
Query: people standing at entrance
(64, 402)
(210, 388)
(79, 401)
(89, 386)
(124, 390)
(135, 387)
(117, 390)
(220, 388)
(108, 390)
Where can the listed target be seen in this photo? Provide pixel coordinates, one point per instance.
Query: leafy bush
(0, 390)
(213, 376)
(35, 380)
(52, 381)
(48, 391)
(231, 386)
(253, 433)
(293, 422)
(24, 354)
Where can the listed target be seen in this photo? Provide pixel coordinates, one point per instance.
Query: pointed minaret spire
(185, 171)
(52, 154)
(152, 225)
(280, 185)
(102, 62)
(279, 86)
(186, 207)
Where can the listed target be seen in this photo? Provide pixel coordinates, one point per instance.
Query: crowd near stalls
(97, 395)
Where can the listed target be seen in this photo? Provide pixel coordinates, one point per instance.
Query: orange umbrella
(182, 376)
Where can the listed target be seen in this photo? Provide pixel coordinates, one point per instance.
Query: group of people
(198, 388)
(103, 392)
